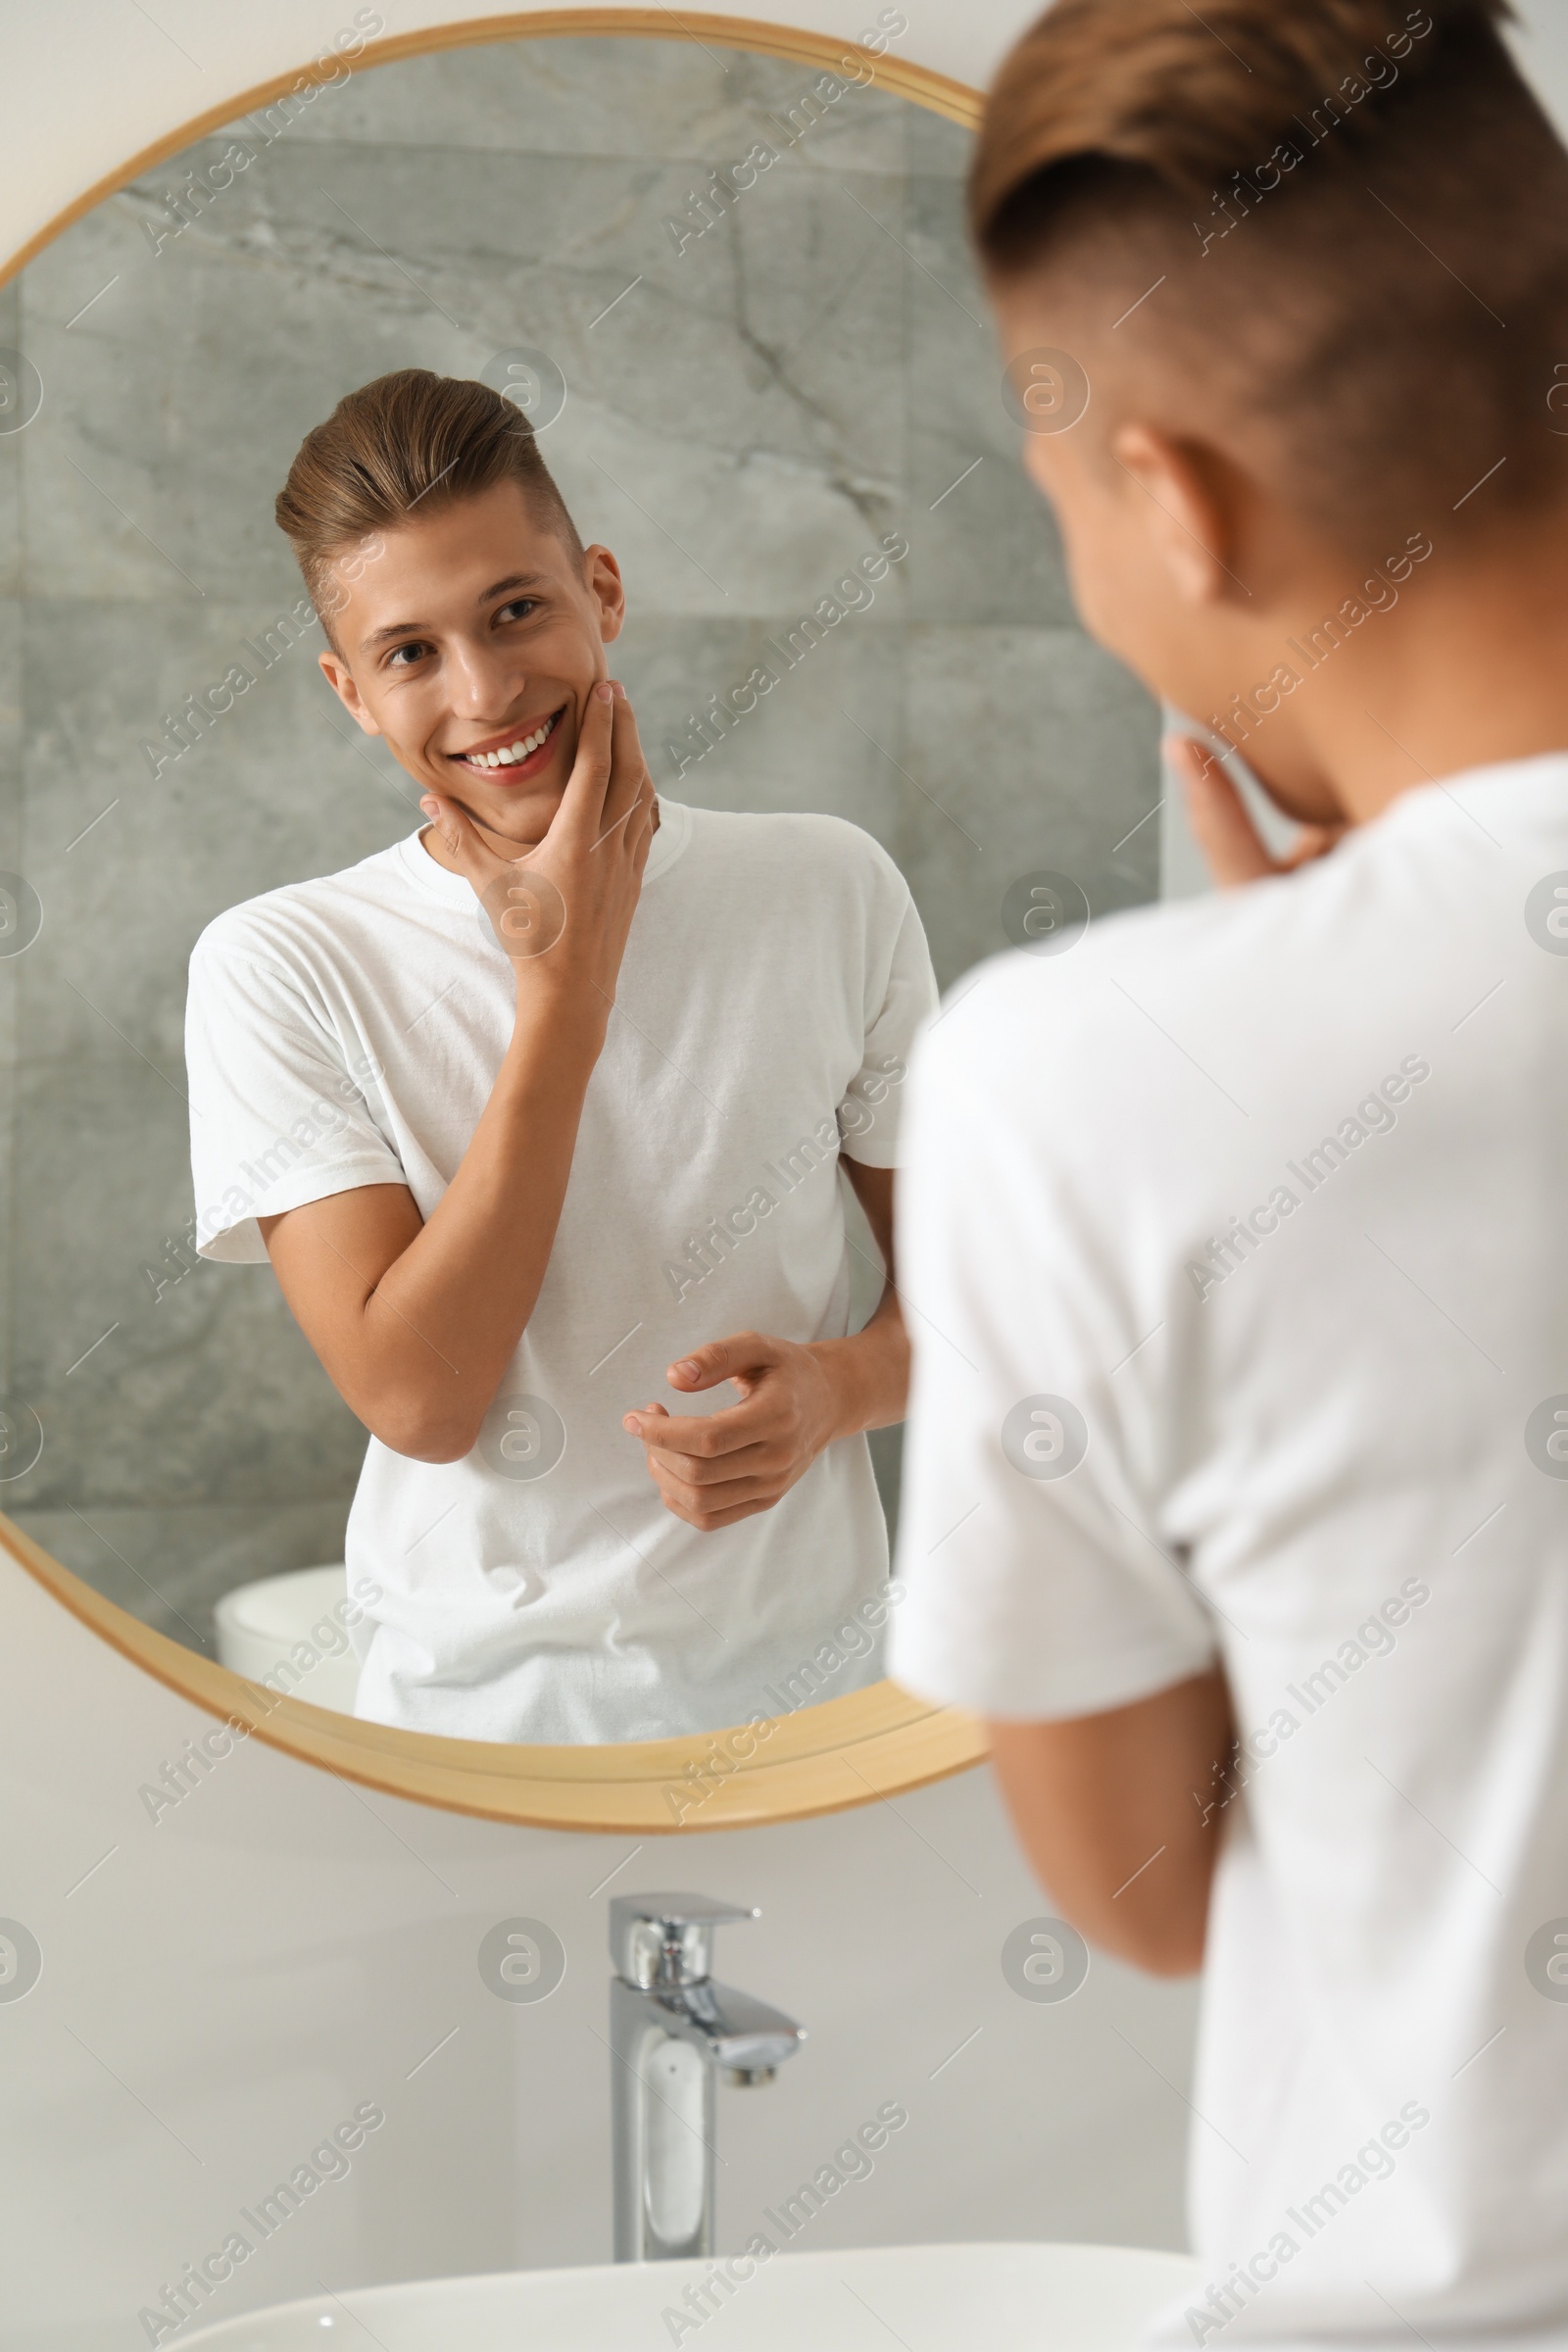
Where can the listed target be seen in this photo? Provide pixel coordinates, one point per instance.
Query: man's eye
(414, 650)
(518, 608)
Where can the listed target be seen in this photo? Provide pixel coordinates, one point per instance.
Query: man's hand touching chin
(715, 1468)
(1232, 848)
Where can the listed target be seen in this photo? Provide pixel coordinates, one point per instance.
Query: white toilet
(260, 1626)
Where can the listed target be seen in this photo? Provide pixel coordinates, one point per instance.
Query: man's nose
(484, 683)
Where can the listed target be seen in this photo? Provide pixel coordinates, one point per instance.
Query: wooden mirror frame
(847, 1751)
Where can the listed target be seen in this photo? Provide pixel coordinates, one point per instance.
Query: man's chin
(518, 823)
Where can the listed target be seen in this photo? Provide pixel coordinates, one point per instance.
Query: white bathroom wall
(222, 1985)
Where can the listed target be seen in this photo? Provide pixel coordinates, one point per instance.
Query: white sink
(260, 1626)
(1006, 2298)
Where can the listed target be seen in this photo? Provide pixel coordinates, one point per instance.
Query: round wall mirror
(728, 286)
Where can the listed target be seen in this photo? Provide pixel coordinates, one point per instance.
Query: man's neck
(518, 853)
(1468, 671)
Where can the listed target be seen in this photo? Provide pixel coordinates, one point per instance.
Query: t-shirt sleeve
(902, 998)
(1036, 1582)
(280, 1107)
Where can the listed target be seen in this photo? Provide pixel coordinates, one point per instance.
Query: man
(529, 1107)
(1235, 1492)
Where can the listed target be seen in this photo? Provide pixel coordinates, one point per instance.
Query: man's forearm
(446, 1317)
(414, 1321)
(869, 1371)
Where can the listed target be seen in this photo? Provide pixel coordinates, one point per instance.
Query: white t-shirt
(1334, 1452)
(772, 982)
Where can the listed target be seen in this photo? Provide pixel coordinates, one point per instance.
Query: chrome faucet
(672, 2032)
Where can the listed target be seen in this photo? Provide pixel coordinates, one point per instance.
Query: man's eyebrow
(514, 580)
(415, 628)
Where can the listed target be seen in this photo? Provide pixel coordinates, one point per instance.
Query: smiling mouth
(523, 751)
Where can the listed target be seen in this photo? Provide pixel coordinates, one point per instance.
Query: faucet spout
(673, 2032)
(734, 2031)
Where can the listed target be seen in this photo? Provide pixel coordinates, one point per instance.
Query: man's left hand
(713, 1469)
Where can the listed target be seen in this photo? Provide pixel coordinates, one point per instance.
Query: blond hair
(408, 440)
(1361, 210)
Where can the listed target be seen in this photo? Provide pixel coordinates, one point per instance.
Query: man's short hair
(409, 440)
(1360, 213)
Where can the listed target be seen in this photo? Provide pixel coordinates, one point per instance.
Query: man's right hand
(1232, 848)
(563, 910)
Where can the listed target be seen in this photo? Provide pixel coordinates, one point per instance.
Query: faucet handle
(667, 1937)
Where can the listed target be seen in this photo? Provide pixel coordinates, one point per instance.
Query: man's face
(1131, 563)
(471, 645)
(1126, 595)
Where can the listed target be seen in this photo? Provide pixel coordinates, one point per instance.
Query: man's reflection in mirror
(540, 1116)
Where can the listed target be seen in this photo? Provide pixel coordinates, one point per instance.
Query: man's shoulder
(804, 836)
(278, 924)
(1117, 989)
(1224, 930)
(791, 845)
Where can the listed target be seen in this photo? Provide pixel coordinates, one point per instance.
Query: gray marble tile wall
(746, 413)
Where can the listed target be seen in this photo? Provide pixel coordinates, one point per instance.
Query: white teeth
(512, 753)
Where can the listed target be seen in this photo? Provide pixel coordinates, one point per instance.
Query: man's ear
(604, 583)
(336, 670)
(1189, 501)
